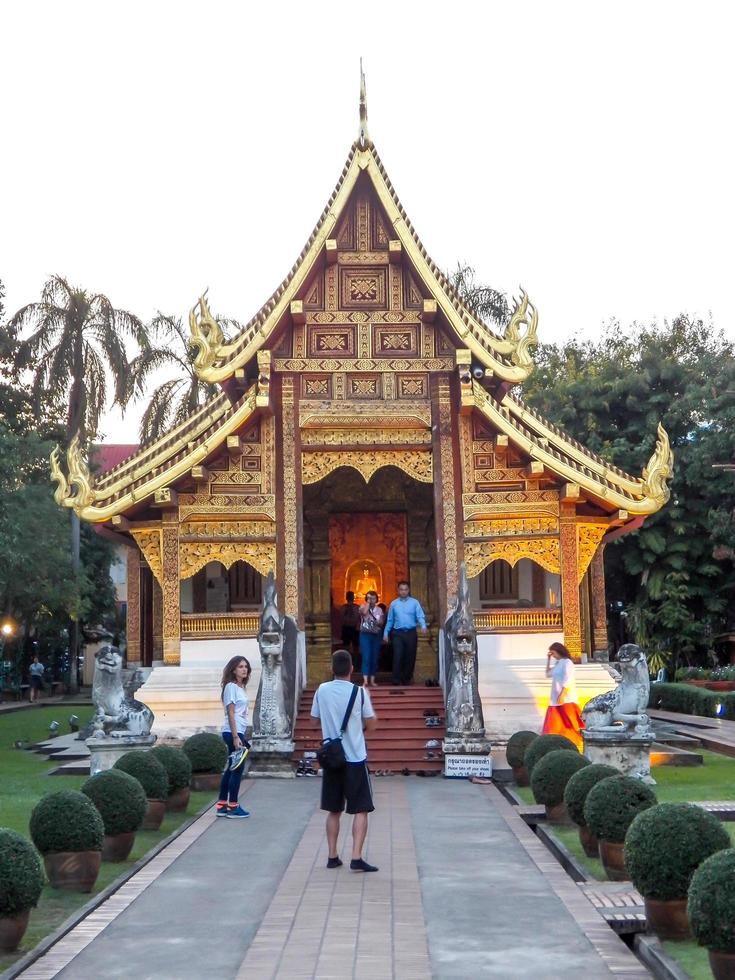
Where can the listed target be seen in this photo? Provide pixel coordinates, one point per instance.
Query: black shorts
(36, 682)
(350, 784)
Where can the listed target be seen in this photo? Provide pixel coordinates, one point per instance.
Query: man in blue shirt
(404, 615)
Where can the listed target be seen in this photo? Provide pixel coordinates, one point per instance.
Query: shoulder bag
(331, 753)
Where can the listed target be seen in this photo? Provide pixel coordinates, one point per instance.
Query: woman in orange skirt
(563, 716)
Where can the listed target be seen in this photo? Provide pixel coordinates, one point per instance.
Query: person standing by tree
(404, 615)
(37, 672)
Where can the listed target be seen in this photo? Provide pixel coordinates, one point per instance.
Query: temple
(368, 428)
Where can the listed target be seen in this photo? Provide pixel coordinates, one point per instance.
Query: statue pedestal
(105, 750)
(630, 753)
(271, 757)
(467, 756)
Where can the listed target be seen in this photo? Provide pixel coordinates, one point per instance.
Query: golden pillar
(289, 504)
(170, 588)
(570, 604)
(599, 605)
(157, 620)
(133, 605)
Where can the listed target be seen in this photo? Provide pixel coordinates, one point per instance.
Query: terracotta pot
(722, 965)
(613, 861)
(116, 847)
(206, 782)
(558, 814)
(668, 920)
(73, 871)
(12, 930)
(520, 774)
(590, 844)
(154, 815)
(178, 801)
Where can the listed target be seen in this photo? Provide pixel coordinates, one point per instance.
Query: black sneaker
(334, 863)
(360, 865)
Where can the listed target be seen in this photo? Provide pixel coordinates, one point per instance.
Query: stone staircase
(400, 739)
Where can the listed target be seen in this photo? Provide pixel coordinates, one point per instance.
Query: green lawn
(691, 958)
(24, 780)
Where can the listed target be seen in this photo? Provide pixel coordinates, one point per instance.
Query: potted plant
(662, 852)
(152, 777)
(208, 756)
(711, 911)
(122, 804)
(21, 882)
(515, 750)
(178, 769)
(575, 794)
(549, 779)
(609, 810)
(68, 831)
(544, 744)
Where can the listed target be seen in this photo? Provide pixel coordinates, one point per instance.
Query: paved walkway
(465, 889)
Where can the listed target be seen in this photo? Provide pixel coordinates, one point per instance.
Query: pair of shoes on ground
(306, 769)
(433, 743)
(232, 812)
(432, 721)
(356, 864)
(383, 772)
(428, 772)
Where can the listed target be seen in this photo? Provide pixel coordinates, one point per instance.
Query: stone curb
(76, 917)
(562, 854)
(651, 953)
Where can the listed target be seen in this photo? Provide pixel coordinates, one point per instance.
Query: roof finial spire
(364, 136)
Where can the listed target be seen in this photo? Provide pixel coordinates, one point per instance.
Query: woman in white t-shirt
(235, 677)
(563, 716)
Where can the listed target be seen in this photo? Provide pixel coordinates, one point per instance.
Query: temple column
(570, 604)
(133, 605)
(171, 588)
(318, 576)
(419, 561)
(157, 621)
(599, 606)
(447, 490)
(289, 503)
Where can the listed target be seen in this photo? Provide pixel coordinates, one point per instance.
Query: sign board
(463, 766)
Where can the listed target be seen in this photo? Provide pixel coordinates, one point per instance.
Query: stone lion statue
(624, 707)
(115, 712)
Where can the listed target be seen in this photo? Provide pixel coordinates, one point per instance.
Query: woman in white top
(235, 677)
(563, 716)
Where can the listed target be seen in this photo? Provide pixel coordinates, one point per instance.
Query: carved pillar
(318, 594)
(447, 490)
(157, 621)
(289, 503)
(419, 565)
(171, 588)
(133, 606)
(599, 606)
(571, 612)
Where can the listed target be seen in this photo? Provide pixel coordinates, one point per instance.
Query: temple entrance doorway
(362, 536)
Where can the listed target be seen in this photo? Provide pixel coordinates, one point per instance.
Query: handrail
(209, 625)
(517, 620)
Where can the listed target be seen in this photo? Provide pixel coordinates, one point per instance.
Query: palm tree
(173, 400)
(76, 347)
(484, 302)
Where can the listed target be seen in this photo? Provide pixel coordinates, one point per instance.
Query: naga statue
(116, 713)
(464, 708)
(273, 720)
(622, 709)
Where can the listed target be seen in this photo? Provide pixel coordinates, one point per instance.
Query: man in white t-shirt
(351, 784)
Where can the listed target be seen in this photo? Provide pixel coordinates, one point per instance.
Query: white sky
(585, 150)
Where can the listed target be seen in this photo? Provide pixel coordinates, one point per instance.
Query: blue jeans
(229, 788)
(369, 650)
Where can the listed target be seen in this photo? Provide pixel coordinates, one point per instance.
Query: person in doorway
(563, 716)
(404, 616)
(349, 785)
(37, 672)
(235, 677)
(371, 628)
(350, 621)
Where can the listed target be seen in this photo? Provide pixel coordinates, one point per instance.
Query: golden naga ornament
(660, 469)
(524, 315)
(79, 477)
(206, 335)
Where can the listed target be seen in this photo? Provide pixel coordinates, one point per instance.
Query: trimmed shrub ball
(612, 805)
(552, 773)
(579, 786)
(543, 745)
(147, 770)
(21, 877)
(207, 752)
(666, 844)
(515, 750)
(711, 905)
(66, 821)
(177, 766)
(120, 799)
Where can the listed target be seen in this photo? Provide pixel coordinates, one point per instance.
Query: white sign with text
(462, 766)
